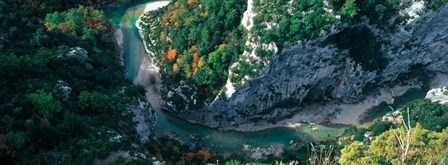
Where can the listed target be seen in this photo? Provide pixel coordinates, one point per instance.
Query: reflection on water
(132, 43)
(226, 140)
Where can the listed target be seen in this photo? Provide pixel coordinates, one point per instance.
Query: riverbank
(332, 113)
(343, 113)
(148, 74)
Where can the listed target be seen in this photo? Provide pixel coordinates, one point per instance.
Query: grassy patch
(317, 132)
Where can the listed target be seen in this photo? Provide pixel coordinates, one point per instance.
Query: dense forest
(64, 91)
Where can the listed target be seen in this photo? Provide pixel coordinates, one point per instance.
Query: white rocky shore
(438, 95)
(148, 75)
(439, 91)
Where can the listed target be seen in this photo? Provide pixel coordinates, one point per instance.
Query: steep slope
(194, 43)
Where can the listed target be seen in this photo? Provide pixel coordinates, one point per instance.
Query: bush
(431, 115)
(379, 127)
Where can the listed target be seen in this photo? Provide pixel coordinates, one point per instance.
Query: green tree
(16, 140)
(431, 115)
(425, 147)
(354, 154)
(94, 100)
(379, 127)
(44, 103)
(348, 11)
(9, 65)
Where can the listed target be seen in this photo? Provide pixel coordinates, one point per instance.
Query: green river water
(134, 52)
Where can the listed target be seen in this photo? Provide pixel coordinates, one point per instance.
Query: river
(134, 53)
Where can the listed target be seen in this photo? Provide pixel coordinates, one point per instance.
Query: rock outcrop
(438, 95)
(282, 86)
(145, 119)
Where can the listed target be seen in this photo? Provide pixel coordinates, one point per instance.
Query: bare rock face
(63, 90)
(145, 119)
(297, 73)
(438, 95)
(75, 52)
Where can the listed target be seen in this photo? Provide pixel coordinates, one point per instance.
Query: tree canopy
(64, 92)
(426, 147)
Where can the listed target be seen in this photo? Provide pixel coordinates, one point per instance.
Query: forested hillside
(64, 93)
(195, 42)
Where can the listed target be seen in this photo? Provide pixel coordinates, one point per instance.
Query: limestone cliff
(287, 80)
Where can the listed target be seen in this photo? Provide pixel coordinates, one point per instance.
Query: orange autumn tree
(175, 68)
(171, 54)
(204, 154)
(222, 46)
(201, 62)
(194, 63)
(191, 2)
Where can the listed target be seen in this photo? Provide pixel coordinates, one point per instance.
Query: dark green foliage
(378, 11)
(432, 116)
(292, 26)
(363, 46)
(38, 124)
(300, 154)
(359, 134)
(15, 140)
(44, 103)
(379, 127)
(93, 101)
(349, 131)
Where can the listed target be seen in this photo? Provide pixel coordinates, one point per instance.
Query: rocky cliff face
(145, 119)
(282, 86)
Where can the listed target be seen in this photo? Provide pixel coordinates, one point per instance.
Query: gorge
(233, 82)
(136, 62)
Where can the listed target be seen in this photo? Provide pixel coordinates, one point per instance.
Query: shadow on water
(118, 10)
(383, 108)
(225, 140)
